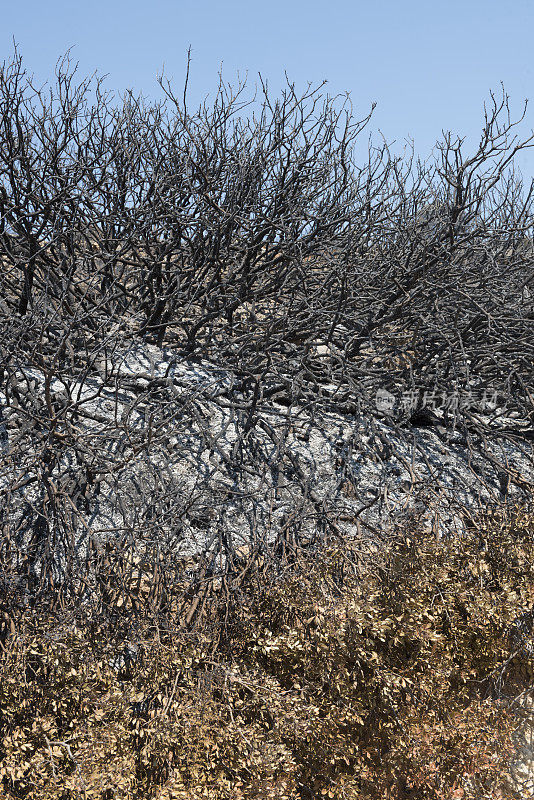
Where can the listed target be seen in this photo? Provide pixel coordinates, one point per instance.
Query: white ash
(170, 461)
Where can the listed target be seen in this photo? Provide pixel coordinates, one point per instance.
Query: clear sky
(429, 65)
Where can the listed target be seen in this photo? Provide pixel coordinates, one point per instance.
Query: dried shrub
(395, 680)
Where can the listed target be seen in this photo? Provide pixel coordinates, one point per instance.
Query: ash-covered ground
(187, 456)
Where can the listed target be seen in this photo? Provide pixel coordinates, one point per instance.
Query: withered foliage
(394, 682)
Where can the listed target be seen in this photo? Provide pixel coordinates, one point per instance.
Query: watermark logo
(385, 401)
(452, 402)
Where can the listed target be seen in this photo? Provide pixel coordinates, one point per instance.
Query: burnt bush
(244, 240)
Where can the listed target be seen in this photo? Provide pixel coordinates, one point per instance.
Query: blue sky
(428, 65)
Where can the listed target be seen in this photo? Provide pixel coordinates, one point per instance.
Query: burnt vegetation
(187, 289)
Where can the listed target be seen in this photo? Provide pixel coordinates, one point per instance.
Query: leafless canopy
(275, 276)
